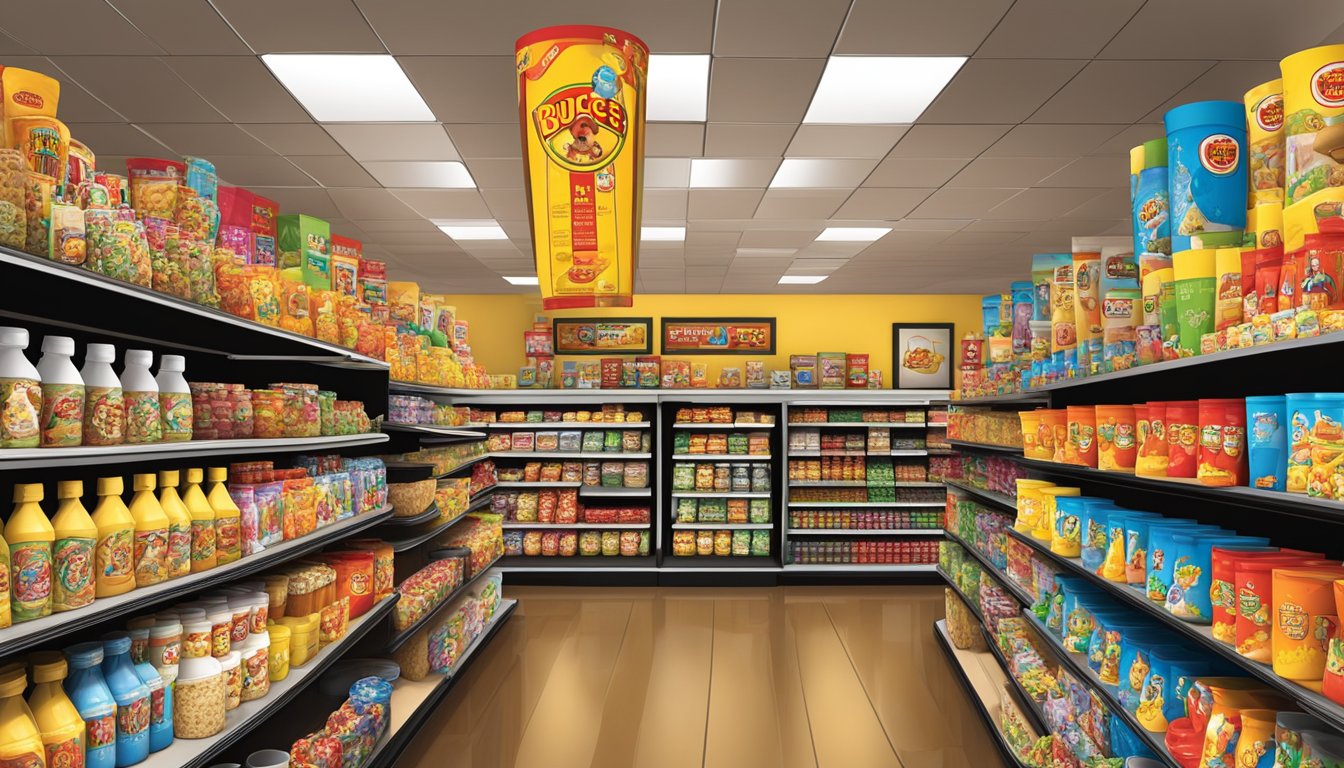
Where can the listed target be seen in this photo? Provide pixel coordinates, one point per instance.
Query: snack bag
(345, 253)
(37, 194)
(66, 242)
(13, 205)
(154, 185)
(27, 93)
(263, 283)
(44, 142)
(295, 312)
(322, 312)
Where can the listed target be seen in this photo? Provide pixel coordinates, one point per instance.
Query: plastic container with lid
(278, 653)
(204, 555)
(114, 555)
(73, 583)
(1304, 618)
(132, 697)
(143, 424)
(20, 392)
(1066, 538)
(1081, 425)
(174, 399)
(1222, 584)
(240, 624)
(1267, 442)
(1189, 597)
(228, 522)
(165, 646)
(196, 635)
(1182, 423)
(1207, 166)
(151, 533)
(1029, 504)
(232, 670)
(1161, 556)
(198, 711)
(259, 611)
(161, 704)
(94, 701)
(277, 590)
(62, 394)
(30, 537)
(1222, 442)
(221, 629)
(304, 637)
(58, 721)
(104, 399)
(20, 739)
(1045, 530)
(1153, 456)
(254, 657)
(179, 524)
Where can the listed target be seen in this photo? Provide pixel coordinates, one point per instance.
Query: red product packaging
(1223, 577)
(1182, 422)
(856, 371)
(972, 354)
(373, 282)
(235, 222)
(1267, 264)
(1320, 270)
(264, 215)
(1250, 303)
(1222, 442)
(611, 372)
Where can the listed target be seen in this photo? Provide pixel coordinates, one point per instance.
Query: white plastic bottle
(143, 424)
(62, 394)
(104, 403)
(174, 398)
(20, 392)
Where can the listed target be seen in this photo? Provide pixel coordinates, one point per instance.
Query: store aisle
(672, 678)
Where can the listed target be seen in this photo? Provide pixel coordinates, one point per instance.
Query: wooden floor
(835, 677)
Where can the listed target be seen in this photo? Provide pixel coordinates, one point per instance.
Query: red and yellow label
(581, 93)
(1327, 85)
(1269, 112)
(1218, 154)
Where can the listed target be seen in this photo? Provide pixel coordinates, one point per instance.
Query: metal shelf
(411, 542)
(34, 458)
(861, 484)
(867, 504)
(732, 425)
(720, 494)
(1029, 706)
(967, 445)
(723, 526)
(576, 526)
(971, 604)
(980, 493)
(863, 567)
(463, 465)
(431, 512)
(856, 424)
(552, 425)
(721, 457)
(536, 484)
(400, 637)
(596, 563)
(60, 625)
(590, 455)
(1004, 580)
(865, 531)
(433, 430)
(954, 658)
(598, 491)
(1015, 397)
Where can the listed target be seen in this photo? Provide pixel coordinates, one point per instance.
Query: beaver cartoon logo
(584, 147)
(570, 122)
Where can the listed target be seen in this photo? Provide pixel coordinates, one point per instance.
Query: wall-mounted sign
(719, 335)
(603, 335)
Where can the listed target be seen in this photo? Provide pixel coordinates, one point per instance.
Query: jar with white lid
(221, 629)
(196, 637)
(259, 615)
(233, 679)
(255, 666)
(199, 702)
(165, 646)
(240, 610)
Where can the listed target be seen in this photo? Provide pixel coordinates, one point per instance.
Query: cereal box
(345, 254)
(305, 242)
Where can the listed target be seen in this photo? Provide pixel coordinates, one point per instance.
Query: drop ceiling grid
(1024, 148)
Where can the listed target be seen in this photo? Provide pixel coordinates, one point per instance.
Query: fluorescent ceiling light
(350, 88)
(486, 229)
(801, 279)
(852, 234)
(523, 280)
(741, 173)
(678, 87)
(437, 174)
(669, 234)
(879, 89)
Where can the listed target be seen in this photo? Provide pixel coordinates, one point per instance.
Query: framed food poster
(920, 354)
(603, 335)
(718, 335)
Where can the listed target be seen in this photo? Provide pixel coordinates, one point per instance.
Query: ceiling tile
(951, 203)
(807, 172)
(500, 173)
(1003, 225)
(808, 30)
(239, 86)
(777, 238)
(762, 90)
(1112, 204)
(696, 236)
(665, 204)
(11, 47)
(709, 172)
(723, 203)
(667, 172)
(1088, 172)
(166, 23)
(1007, 171)
(294, 138)
(61, 27)
(800, 203)
(947, 140)
(944, 28)
(1118, 91)
(314, 201)
(880, 203)
(334, 170)
(141, 88)
(748, 139)
(915, 171)
(1130, 137)
(450, 83)
(965, 237)
(435, 238)
(905, 225)
(1227, 80)
(436, 174)
(844, 140)
(301, 26)
(505, 203)
(378, 226)
(260, 171)
(1161, 30)
(1031, 29)
(486, 139)
(356, 204)
(444, 203)
(117, 139)
(1000, 90)
(377, 142)
(1041, 203)
(416, 27)
(801, 266)
(674, 139)
(1052, 140)
(206, 139)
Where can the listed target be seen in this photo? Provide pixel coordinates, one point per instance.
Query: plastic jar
(1267, 442)
(221, 629)
(1045, 528)
(240, 618)
(1182, 418)
(1222, 442)
(1029, 504)
(259, 612)
(278, 654)
(1117, 445)
(200, 696)
(165, 647)
(354, 579)
(254, 661)
(304, 637)
(1304, 607)
(277, 593)
(231, 671)
(197, 637)
(268, 413)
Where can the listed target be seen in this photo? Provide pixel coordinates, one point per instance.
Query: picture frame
(923, 355)
(718, 336)
(603, 335)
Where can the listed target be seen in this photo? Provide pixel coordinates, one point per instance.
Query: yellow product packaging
(294, 306)
(1063, 325)
(1264, 139)
(1313, 103)
(404, 298)
(44, 142)
(1227, 303)
(79, 165)
(264, 285)
(13, 199)
(27, 93)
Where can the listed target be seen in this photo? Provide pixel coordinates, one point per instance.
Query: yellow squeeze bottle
(151, 533)
(20, 741)
(5, 616)
(179, 524)
(30, 537)
(58, 721)
(228, 519)
(73, 585)
(114, 558)
(204, 554)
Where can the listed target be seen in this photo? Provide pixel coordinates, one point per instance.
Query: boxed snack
(756, 374)
(831, 372)
(611, 372)
(265, 230)
(857, 371)
(305, 241)
(345, 255)
(699, 375)
(676, 374)
(804, 370)
(373, 281)
(648, 371)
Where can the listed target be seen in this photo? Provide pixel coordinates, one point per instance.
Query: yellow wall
(803, 324)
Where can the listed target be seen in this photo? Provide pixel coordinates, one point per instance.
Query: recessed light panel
(678, 87)
(350, 88)
(667, 234)
(852, 234)
(523, 280)
(879, 89)
(801, 279)
(486, 229)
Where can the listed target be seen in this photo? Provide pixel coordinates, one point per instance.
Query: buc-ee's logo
(1327, 85)
(1269, 112)
(579, 129)
(27, 99)
(1218, 154)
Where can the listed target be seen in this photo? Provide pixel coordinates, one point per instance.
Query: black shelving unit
(1000, 743)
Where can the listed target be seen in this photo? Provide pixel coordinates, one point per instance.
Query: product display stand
(982, 680)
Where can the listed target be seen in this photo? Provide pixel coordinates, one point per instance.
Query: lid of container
(115, 643)
(166, 629)
(13, 679)
(302, 624)
(99, 353)
(259, 598)
(218, 613)
(143, 482)
(230, 660)
(196, 623)
(1196, 113)
(173, 363)
(60, 345)
(278, 633)
(336, 682)
(140, 622)
(111, 486)
(13, 337)
(27, 492)
(1155, 153)
(240, 602)
(194, 475)
(85, 655)
(218, 474)
(256, 642)
(69, 489)
(198, 668)
(139, 357)
(48, 666)
(169, 478)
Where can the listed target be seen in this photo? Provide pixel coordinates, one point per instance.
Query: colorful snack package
(154, 185)
(294, 306)
(263, 283)
(37, 193)
(66, 242)
(44, 142)
(27, 93)
(13, 205)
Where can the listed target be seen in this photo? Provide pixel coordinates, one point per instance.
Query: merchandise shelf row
(857, 424)
(590, 455)
(430, 531)
(815, 453)
(735, 425)
(981, 689)
(1010, 586)
(964, 444)
(868, 504)
(723, 526)
(96, 455)
(575, 526)
(600, 563)
(972, 605)
(431, 512)
(709, 396)
(858, 484)
(720, 457)
(865, 531)
(862, 567)
(544, 425)
(433, 430)
(400, 637)
(1029, 706)
(982, 494)
(614, 492)
(720, 494)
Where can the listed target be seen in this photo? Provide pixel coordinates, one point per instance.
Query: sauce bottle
(151, 533)
(228, 519)
(58, 722)
(174, 399)
(203, 552)
(20, 392)
(20, 741)
(5, 615)
(179, 524)
(143, 424)
(62, 394)
(114, 557)
(72, 556)
(30, 537)
(132, 697)
(104, 400)
(93, 700)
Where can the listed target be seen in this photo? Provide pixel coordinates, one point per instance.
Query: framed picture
(922, 355)
(603, 335)
(718, 335)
